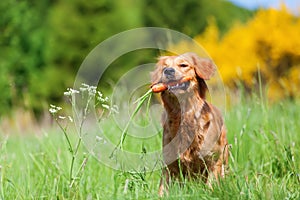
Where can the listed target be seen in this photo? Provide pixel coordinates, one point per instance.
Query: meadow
(42, 51)
(264, 163)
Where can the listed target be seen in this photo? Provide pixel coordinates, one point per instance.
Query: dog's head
(171, 70)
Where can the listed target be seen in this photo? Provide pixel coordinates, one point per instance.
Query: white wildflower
(100, 99)
(82, 89)
(54, 109)
(70, 118)
(105, 106)
(115, 109)
(61, 117)
(74, 91)
(85, 85)
(92, 90)
(99, 94)
(70, 92)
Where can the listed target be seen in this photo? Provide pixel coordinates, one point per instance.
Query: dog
(194, 135)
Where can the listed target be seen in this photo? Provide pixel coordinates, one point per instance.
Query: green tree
(22, 40)
(44, 42)
(190, 16)
(77, 26)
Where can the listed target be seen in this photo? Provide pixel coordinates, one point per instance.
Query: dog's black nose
(169, 71)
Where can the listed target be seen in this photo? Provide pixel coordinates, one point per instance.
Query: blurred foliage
(44, 42)
(263, 53)
(190, 16)
(23, 37)
(265, 48)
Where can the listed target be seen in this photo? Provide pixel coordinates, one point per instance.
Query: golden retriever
(194, 134)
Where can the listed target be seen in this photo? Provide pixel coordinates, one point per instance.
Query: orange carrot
(160, 87)
(185, 79)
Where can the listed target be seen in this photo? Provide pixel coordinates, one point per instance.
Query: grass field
(264, 163)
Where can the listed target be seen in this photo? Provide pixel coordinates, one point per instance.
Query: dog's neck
(182, 112)
(178, 104)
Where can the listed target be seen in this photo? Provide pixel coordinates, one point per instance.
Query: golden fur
(194, 135)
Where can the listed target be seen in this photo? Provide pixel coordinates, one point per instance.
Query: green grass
(264, 163)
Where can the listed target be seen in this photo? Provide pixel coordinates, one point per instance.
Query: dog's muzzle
(169, 73)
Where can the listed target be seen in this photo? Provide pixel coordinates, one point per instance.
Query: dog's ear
(157, 73)
(204, 67)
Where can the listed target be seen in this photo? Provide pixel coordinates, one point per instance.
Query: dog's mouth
(172, 85)
(178, 85)
(181, 84)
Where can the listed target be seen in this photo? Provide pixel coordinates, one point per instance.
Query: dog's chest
(188, 130)
(190, 123)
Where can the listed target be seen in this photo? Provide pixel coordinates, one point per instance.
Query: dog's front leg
(164, 183)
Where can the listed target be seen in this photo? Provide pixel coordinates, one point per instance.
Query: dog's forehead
(184, 58)
(175, 60)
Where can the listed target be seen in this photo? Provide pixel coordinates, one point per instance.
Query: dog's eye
(183, 65)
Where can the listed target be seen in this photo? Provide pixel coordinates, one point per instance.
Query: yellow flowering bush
(268, 44)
